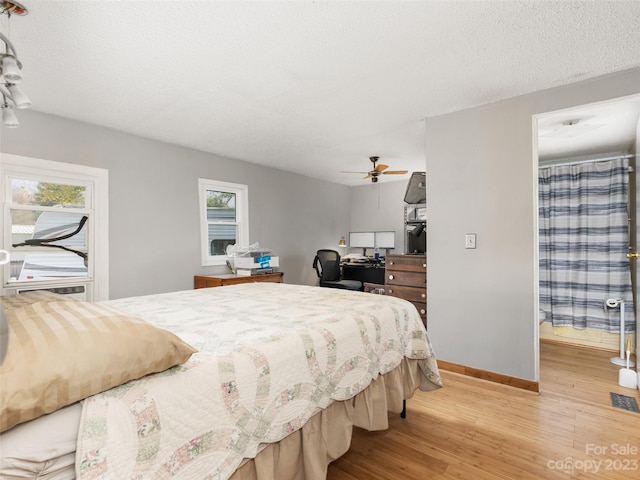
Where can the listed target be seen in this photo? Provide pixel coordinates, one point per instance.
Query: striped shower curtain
(584, 239)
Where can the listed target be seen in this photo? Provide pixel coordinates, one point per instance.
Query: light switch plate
(470, 240)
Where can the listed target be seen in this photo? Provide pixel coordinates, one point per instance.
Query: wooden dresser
(200, 281)
(406, 277)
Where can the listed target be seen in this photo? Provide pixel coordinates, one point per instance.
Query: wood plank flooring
(474, 429)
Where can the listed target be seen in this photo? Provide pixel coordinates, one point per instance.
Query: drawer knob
(391, 263)
(424, 265)
(424, 295)
(422, 311)
(390, 290)
(391, 277)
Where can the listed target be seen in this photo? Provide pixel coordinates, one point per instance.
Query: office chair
(327, 266)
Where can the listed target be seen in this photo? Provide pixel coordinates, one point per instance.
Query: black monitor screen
(416, 244)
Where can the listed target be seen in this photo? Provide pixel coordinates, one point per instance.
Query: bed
(250, 381)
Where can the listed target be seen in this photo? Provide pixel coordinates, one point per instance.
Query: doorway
(590, 133)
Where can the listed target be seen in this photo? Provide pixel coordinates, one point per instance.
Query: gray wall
(379, 207)
(481, 304)
(154, 231)
(480, 179)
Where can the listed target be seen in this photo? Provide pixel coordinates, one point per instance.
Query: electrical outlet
(470, 240)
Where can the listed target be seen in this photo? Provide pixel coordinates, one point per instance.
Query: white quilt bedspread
(270, 357)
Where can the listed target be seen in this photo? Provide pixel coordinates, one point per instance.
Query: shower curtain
(584, 239)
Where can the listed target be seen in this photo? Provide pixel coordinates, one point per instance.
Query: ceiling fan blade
(396, 172)
(368, 175)
(381, 167)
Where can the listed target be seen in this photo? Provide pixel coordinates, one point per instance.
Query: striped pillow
(34, 296)
(61, 352)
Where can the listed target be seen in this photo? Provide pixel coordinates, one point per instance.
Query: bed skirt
(307, 453)
(49, 441)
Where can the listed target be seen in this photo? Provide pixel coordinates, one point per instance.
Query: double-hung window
(54, 227)
(224, 217)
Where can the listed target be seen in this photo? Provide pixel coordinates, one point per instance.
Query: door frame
(634, 214)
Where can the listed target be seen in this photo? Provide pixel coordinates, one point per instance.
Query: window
(55, 227)
(224, 217)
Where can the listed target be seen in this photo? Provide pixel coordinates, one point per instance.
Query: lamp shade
(20, 100)
(9, 118)
(10, 69)
(342, 242)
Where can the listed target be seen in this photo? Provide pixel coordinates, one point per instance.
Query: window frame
(241, 192)
(97, 206)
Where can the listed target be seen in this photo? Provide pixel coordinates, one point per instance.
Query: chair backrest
(327, 265)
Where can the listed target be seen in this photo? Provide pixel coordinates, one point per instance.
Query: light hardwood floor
(474, 429)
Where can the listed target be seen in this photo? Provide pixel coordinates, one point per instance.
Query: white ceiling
(309, 87)
(598, 129)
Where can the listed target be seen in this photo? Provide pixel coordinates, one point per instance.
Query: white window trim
(16, 165)
(242, 217)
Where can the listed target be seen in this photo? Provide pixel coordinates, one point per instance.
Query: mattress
(44, 448)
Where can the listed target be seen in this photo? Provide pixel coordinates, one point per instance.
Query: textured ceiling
(309, 87)
(599, 129)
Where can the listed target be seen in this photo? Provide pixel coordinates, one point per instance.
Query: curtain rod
(576, 162)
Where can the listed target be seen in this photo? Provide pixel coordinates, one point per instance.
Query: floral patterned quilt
(270, 357)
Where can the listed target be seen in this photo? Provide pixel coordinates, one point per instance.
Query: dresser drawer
(411, 279)
(408, 263)
(413, 294)
(422, 309)
(406, 278)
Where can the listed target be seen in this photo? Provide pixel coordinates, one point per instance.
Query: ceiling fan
(379, 170)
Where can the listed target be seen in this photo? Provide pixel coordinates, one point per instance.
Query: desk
(365, 272)
(202, 281)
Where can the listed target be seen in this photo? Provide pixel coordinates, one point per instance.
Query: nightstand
(206, 281)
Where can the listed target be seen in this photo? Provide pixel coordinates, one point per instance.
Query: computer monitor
(415, 239)
(362, 240)
(385, 240)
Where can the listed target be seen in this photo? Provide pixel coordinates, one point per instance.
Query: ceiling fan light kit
(378, 170)
(11, 71)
